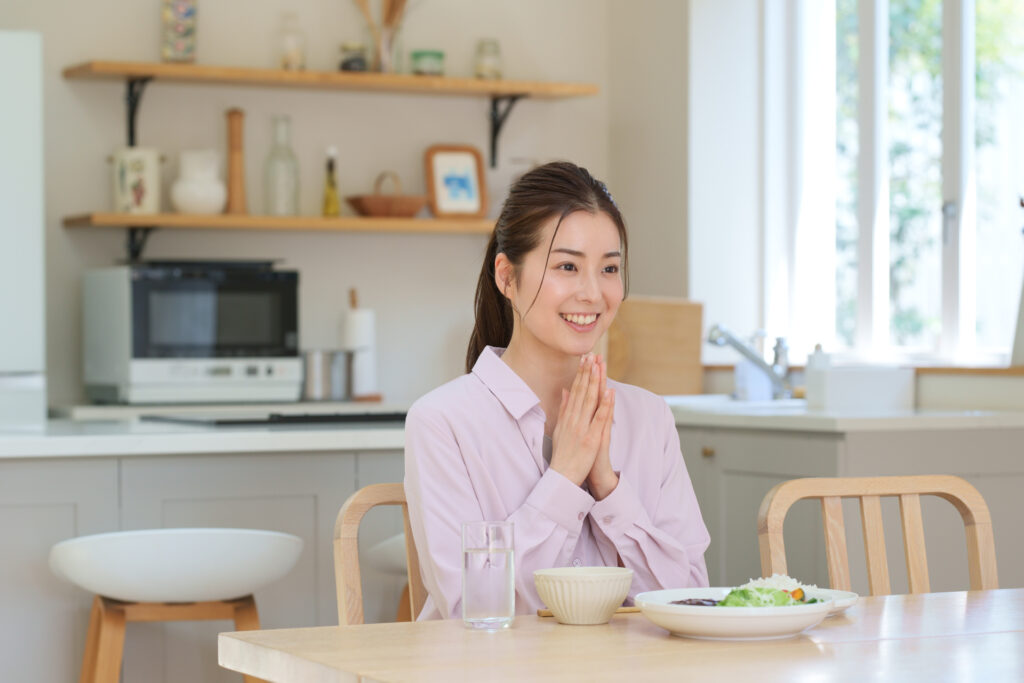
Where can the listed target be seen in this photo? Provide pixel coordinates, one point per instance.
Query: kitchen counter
(69, 438)
(719, 410)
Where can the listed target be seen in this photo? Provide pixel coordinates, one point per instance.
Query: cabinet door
(701, 465)
(43, 619)
(745, 465)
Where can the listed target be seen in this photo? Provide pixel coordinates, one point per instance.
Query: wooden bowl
(394, 205)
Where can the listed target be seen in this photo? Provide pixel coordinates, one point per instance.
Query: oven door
(214, 313)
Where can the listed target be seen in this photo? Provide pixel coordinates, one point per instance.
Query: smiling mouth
(580, 321)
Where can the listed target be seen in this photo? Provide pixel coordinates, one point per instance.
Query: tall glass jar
(292, 56)
(281, 176)
(488, 59)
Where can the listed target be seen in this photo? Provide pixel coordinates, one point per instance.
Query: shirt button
(608, 519)
(581, 516)
(577, 562)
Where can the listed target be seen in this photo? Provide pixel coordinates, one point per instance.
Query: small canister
(427, 62)
(353, 57)
(316, 385)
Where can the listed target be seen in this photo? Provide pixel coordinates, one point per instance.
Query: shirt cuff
(617, 511)
(561, 500)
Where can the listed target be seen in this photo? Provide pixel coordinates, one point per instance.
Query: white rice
(778, 581)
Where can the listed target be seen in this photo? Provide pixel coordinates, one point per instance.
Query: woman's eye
(567, 266)
(611, 269)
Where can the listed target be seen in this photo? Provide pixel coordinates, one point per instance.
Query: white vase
(199, 188)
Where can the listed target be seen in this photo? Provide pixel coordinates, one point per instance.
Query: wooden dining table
(960, 636)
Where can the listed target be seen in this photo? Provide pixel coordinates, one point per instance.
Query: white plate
(728, 623)
(840, 599)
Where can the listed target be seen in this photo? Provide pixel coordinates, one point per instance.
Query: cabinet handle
(707, 451)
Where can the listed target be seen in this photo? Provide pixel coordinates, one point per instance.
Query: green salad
(762, 597)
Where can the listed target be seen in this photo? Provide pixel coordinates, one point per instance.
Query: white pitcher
(199, 188)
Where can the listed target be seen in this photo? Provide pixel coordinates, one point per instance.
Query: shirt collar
(504, 383)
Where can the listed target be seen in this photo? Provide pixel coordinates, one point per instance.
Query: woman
(588, 469)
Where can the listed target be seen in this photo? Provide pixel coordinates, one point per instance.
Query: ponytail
(493, 326)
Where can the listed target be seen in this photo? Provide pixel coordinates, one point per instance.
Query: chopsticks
(621, 610)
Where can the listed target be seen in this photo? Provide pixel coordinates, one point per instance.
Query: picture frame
(455, 181)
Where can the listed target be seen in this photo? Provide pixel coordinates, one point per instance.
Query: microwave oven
(191, 332)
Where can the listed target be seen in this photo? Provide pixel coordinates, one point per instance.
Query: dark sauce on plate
(696, 602)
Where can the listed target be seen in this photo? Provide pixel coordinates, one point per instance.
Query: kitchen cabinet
(732, 468)
(503, 95)
(46, 500)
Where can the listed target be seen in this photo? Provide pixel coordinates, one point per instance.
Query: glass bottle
(281, 179)
(292, 43)
(332, 204)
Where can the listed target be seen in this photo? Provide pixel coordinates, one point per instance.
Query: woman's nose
(590, 289)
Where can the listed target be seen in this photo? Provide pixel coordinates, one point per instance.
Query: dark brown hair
(553, 190)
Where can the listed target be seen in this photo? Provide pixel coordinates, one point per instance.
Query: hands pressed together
(579, 444)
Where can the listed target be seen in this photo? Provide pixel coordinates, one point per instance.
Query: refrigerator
(22, 307)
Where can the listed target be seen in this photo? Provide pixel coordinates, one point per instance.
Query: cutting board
(655, 343)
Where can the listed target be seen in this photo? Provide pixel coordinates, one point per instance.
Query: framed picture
(455, 181)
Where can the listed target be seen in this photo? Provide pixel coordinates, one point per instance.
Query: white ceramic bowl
(176, 565)
(583, 595)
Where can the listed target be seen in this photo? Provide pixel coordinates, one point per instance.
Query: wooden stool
(104, 644)
(168, 575)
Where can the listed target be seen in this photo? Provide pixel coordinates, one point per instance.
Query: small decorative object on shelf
(332, 205)
(427, 62)
(236, 163)
(488, 59)
(378, 204)
(136, 180)
(292, 55)
(281, 178)
(353, 57)
(198, 188)
(178, 30)
(455, 181)
(384, 37)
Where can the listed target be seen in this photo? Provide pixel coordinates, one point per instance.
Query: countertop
(94, 437)
(68, 438)
(719, 410)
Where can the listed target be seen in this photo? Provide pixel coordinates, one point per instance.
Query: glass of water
(488, 575)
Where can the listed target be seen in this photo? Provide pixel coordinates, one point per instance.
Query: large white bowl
(176, 565)
(583, 595)
(727, 623)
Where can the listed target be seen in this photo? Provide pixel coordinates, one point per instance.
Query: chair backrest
(346, 551)
(981, 551)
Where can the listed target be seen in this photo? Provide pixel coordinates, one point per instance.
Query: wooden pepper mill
(236, 163)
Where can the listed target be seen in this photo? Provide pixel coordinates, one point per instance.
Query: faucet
(778, 371)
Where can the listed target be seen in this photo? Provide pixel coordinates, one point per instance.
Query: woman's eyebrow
(574, 252)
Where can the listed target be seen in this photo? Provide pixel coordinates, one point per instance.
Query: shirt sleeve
(665, 549)
(442, 494)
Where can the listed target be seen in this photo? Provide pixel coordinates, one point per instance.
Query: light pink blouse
(474, 451)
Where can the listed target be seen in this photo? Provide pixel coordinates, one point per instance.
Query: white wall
(724, 223)
(421, 286)
(648, 116)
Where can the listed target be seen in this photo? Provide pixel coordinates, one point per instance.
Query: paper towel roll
(358, 330)
(359, 336)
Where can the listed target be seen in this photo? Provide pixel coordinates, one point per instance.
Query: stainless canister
(316, 385)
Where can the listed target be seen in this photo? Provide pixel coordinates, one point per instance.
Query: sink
(724, 403)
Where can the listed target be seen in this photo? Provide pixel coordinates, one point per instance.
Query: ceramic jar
(136, 180)
(199, 188)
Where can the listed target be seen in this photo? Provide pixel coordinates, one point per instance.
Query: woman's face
(578, 288)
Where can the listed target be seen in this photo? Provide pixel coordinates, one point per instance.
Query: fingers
(579, 388)
(606, 412)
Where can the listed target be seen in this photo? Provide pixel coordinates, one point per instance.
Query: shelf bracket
(135, 240)
(498, 116)
(132, 98)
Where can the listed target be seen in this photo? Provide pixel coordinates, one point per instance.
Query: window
(929, 168)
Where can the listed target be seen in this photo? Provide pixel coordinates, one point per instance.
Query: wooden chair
(981, 553)
(346, 555)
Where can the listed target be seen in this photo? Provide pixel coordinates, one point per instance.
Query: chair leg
(247, 619)
(404, 609)
(109, 642)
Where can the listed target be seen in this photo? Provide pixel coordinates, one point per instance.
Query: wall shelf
(325, 80)
(227, 221)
